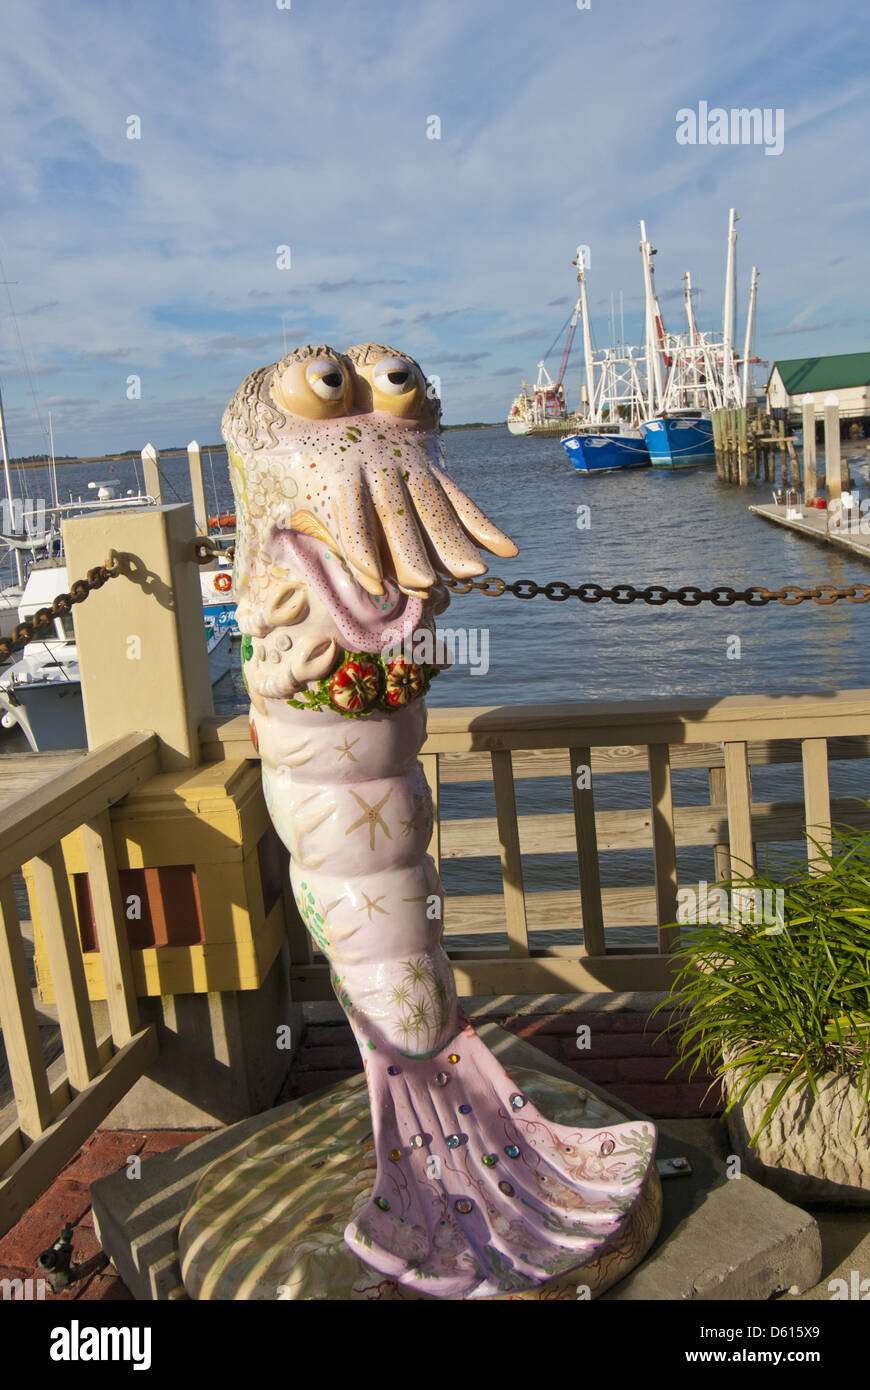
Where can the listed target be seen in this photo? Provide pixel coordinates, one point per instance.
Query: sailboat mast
(55, 499)
(750, 324)
(18, 570)
(729, 387)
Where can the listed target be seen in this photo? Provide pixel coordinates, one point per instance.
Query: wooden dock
(814, 523)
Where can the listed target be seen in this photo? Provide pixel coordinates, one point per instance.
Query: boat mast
(729, 385)
(587, 337)
(653, 363)
(690, 310)
(18, 570)
(750, 324)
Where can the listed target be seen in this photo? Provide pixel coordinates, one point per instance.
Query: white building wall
(854, 400)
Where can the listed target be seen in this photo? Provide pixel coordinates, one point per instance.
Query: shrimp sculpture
(347, 526)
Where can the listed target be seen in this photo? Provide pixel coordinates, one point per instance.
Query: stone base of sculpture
(268, 1221)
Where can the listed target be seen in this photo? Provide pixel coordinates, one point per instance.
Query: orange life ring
(225, 519)
(223, 582)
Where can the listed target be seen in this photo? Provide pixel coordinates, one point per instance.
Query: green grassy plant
(793, 1000)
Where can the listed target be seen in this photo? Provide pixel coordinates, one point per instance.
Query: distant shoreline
(182, 452)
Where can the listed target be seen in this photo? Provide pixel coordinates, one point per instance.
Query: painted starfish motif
(371, 816)
(410, 826)
(343, 750)
(371, 905)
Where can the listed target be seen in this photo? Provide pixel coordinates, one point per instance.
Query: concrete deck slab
(720, 1238)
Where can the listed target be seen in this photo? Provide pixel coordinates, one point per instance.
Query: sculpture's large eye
(394, 376)
(317, 388)
(326, 379)
(393, 384)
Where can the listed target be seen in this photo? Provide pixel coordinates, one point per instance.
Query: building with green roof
(847, 376)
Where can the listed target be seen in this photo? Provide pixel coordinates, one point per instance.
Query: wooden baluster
(587, 852)
(817, 801)
(739, 797)
(718, 797)
(19, 1023)
(664, 844)
(509, 852)
(110, 923)
(65, 963)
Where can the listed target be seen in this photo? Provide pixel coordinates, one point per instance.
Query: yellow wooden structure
(201, 878)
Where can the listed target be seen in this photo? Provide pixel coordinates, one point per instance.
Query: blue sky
(263, 127)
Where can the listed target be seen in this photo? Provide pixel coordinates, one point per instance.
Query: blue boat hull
(679, 443)
(598, 453)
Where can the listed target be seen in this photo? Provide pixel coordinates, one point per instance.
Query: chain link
(689, 596)
(205, 550)
(61, 606)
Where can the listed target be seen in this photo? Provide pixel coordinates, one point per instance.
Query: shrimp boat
(702, 370)
(609, 436)
(540, 409)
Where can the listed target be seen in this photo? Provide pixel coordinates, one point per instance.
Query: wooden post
(151, 469)
(783, 457)
(717, 441)
(808, 412)
(141, 637)
(833, 486)
(742, 448)
(200, 515)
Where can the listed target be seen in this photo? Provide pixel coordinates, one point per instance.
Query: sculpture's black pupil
(397, 377)
(332, 378)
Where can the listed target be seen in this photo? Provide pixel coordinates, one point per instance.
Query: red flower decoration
(254, 739)
(404, 682)
(355, 686)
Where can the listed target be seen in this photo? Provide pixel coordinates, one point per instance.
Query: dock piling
(833, 474)
(151, 470)
(197, 489)
(808, 413)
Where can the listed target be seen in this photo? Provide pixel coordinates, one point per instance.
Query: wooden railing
(724, 738)
(58, 1108)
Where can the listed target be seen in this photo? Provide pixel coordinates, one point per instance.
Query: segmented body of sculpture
(347, 524)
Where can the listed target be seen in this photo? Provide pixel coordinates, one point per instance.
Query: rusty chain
(60, 606)
(689, 596)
